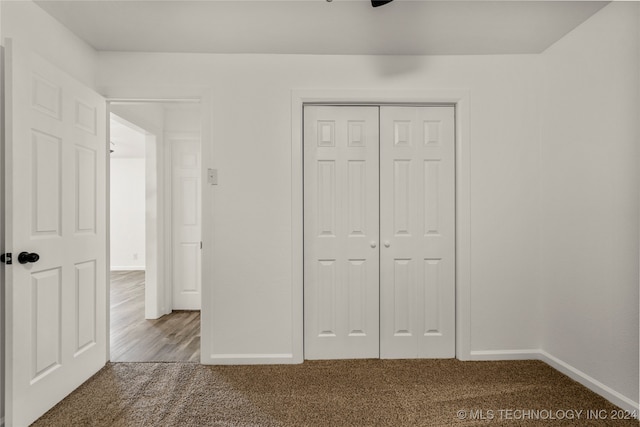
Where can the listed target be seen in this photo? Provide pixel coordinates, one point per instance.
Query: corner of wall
(585, 261)
(565, 368)
(540, 95)
(591, 383)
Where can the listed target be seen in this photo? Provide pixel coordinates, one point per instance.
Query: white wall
(589, 194)
(127, 214)
(179, 118)
(30, 26)
(251, 112)
(154, 301)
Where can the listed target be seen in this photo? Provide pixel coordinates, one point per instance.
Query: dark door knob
(26, 257)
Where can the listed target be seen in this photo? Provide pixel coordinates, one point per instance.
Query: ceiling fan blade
(376, 3)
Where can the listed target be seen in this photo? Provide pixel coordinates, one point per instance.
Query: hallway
(172, 338)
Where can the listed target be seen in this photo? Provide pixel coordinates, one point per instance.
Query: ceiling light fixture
(376, 3)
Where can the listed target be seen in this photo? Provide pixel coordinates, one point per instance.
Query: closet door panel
(341, 230)
(417, 230)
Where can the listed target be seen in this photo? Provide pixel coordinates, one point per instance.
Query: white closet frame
(460, 99)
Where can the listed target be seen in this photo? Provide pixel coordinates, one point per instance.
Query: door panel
(406, 174)
(417, 211)
(56, 201)
(341, 228)
(185, 155)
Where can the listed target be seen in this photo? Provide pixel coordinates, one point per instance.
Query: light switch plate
(212, 176)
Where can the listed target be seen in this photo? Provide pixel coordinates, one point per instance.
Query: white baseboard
(127, 267)
(250, 359)
(575, 374)
(529, 354)
(591, 383)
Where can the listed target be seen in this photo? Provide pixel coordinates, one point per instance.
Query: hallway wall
(128, 200)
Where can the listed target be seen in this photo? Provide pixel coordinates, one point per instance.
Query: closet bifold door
(417, 226)
(341, 230)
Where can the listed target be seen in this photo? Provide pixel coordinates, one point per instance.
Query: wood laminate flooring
(174, 337)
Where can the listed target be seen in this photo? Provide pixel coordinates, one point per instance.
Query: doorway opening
(155, 231)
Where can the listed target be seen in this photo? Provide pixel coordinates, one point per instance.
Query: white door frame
(460, 98)
(204, 97)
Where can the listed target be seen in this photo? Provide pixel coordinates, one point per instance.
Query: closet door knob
(373, 244)
(387, 243)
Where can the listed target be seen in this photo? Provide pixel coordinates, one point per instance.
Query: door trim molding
(460, 98)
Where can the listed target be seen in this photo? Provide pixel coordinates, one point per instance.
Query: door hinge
(6, 258)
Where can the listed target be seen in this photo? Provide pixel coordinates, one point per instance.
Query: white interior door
(341, 232)
(186, 222)
(417, 211)
(56, 202)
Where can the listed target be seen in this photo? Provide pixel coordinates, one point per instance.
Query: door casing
(159, 301)
(459, 98)
(204, 97)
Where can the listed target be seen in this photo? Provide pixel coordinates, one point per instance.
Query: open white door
(56, 203)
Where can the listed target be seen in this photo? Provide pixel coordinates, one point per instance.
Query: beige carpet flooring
(332, 393)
